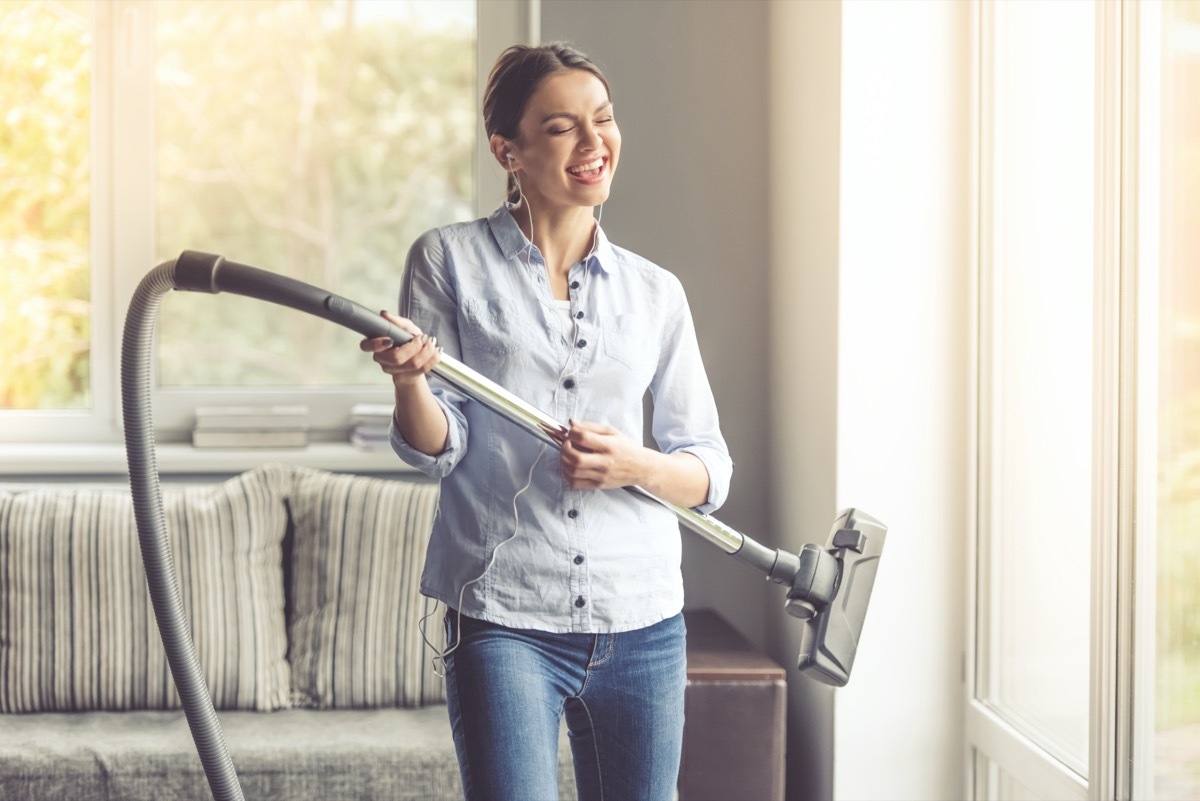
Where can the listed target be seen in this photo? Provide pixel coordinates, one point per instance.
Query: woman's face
(567, 149)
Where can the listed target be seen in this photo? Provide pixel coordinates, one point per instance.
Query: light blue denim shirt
(598, 561)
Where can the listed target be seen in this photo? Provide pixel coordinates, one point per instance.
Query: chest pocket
(488, 328)
(634, 342)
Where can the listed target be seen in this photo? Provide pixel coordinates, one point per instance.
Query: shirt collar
(512, 241)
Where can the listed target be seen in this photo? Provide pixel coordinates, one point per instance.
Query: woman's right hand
(408, 363)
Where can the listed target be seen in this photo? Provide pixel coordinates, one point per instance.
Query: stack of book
(369, 426)
(251, 427)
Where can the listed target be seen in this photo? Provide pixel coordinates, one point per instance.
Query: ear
(502, 150)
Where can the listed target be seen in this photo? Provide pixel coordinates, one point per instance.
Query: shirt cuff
(720, 474)
(432, 466)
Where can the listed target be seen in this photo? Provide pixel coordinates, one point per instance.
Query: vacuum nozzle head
(834, 608)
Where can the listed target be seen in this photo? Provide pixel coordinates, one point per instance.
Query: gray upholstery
(377, 752)
(292, 754)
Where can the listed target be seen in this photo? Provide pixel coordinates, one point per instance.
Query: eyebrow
(568, 116)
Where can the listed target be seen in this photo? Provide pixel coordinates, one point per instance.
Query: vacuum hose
(828, 587)
(136, 352)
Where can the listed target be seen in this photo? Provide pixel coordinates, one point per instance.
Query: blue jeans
(622, 694)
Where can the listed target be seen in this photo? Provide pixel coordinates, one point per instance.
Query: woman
(564, 592)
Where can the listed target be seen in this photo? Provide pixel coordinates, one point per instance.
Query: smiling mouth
(589, 169)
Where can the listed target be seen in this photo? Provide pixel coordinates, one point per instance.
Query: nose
(592, 140)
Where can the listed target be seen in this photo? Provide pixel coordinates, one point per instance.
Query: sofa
(301, 587)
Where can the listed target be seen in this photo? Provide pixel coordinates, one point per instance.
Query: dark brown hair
(515, 76)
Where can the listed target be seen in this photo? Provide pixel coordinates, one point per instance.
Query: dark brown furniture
(736, 713)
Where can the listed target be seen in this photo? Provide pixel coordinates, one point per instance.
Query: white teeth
(591, 165)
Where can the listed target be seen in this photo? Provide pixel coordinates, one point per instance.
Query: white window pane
(315, 139)
(45, 194)
(1177, 740)
(993, 783)
(1037, 469)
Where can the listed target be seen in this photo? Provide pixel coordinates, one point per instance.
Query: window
(314, 138)
(1086, 671)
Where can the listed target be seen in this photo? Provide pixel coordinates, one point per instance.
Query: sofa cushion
(355, 610)
(292, 754)
(77, 630)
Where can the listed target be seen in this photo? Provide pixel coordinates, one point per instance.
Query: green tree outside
(45, 205)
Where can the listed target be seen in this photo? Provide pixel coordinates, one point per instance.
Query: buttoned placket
(575, 350)
(576, 522)
(566, 395)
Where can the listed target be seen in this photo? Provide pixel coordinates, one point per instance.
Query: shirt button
(581, 343)
(579, 560)
(569, 383)
(574, 285)
(579, 315)
(579, 602)
(574, 513)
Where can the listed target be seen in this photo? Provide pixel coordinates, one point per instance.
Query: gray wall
(689, 83)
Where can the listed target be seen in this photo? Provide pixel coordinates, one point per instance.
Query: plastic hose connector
(163, 583)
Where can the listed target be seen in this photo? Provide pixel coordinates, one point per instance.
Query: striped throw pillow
(354, 603)
(77, 629)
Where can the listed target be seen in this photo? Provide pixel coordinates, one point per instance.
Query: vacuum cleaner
(828, 588)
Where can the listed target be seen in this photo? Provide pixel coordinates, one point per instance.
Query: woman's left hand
(598, 456)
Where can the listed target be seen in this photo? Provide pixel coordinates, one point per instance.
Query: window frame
(988, 733)
(122, 233)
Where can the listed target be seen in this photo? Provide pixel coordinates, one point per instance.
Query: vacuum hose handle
(205, 272)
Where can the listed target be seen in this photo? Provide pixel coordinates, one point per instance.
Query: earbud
(509, 155)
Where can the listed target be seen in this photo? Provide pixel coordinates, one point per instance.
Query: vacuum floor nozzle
(831, 634)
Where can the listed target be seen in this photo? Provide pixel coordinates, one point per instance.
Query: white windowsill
(182, 458)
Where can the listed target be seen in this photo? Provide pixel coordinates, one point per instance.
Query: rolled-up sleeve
(685, 411)
(428, 298)
(432, 466)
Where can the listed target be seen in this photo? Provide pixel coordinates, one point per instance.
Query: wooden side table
(735, 710)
